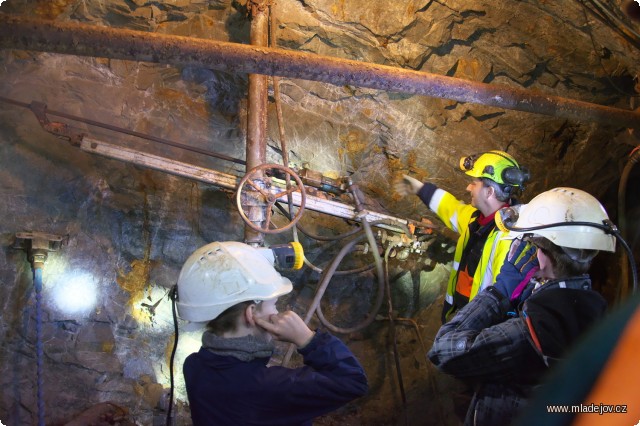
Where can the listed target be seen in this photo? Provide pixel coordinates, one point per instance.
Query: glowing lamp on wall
(74, 293)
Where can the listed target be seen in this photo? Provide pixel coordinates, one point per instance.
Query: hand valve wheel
(270, 193)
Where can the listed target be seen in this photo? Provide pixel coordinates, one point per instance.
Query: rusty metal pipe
(18, 32)
(257, 97)
(256, 149)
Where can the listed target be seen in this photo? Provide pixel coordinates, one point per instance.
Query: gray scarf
(245, 348)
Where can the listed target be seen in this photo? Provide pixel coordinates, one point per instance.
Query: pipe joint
(37, 258)
(257, 7)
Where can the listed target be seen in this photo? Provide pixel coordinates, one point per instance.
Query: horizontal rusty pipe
(18, 32)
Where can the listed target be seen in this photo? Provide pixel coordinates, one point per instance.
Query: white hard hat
(222, 274)
(566, 205)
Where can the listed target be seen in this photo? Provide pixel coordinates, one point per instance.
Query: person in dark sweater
(234, 289)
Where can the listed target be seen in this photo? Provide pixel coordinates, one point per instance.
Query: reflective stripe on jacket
(457, 216)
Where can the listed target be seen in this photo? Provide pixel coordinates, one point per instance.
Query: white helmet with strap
(561, 205)
(222, 274)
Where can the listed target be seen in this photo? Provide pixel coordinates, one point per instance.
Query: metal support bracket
(38, 245)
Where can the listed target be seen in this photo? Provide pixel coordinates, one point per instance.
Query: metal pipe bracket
(38, 245)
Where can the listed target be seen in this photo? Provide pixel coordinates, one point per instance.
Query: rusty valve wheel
(250, 179)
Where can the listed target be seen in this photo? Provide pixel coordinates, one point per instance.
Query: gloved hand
(521, 264)
(408, 185)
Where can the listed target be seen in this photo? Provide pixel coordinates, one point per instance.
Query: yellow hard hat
(498, 166)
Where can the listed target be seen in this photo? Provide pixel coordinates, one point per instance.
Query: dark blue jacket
(225, 391)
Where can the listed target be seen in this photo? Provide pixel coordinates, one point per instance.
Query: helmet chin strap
(579, 255)
(508, 219)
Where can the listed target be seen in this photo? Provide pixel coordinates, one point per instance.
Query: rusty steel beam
(18, 32)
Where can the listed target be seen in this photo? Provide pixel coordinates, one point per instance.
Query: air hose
(379, 271)
(325, 282)
(322, 286)
(37, 284)
(394, 334)
(634, 157)
(173, 295)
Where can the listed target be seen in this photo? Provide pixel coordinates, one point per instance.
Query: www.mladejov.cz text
(587, 408)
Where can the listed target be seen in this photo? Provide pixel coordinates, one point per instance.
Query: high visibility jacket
(458, 216)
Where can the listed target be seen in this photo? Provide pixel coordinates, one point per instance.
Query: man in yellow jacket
(480, 251)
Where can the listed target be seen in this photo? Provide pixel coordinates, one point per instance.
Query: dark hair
(228, 319)
(567, 262)
(503, 192)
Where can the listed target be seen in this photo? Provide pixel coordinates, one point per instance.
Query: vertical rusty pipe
(256, 149)
(257, 114)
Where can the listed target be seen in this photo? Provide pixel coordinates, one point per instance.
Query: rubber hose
(622, 221)
(37, 284)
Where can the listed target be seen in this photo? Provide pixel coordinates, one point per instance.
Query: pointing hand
(408, 185)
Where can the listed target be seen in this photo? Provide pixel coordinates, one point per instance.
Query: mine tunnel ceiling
(86, 40)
